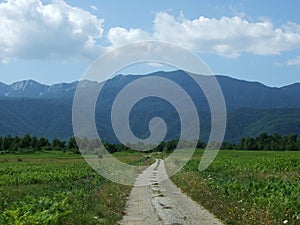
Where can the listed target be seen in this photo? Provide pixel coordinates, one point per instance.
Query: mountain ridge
(22, 84)
(46, 110)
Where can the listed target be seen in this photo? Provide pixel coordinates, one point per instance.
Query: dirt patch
(162, 202)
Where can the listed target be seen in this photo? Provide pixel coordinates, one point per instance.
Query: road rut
(161, 202)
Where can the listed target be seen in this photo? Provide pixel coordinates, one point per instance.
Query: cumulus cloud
(30, 29)
(119, 36)
(294, 61)
(227, 36)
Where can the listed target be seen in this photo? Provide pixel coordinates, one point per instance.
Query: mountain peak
(25, 84)
(236, 91)
(3, 85)
(33, 89)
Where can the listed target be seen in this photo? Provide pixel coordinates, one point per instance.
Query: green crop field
(59, 188)
(246, 187)
(240, 187)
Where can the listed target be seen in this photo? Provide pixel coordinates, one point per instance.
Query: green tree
(43, 143)
(34, 143)
(170, 145)
(57, 144)
(72, 145)
(7, 142)
(25, 142)
(291, 142)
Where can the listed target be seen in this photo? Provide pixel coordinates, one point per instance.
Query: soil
(155, 199)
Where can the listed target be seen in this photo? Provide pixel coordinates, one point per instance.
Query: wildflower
(285, 221)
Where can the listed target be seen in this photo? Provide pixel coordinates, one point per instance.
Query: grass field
(60, 188)
(240, 187)
(246, 187)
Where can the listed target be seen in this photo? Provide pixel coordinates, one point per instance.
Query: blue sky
(56, 41)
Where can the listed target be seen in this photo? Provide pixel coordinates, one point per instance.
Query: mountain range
(252, 108)
(33, 89)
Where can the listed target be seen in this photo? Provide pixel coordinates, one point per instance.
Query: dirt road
(162, 202)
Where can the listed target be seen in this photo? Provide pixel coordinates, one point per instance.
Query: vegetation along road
(239, 187)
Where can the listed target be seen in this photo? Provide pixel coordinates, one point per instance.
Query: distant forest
(29, 144)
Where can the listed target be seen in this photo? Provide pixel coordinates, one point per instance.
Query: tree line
(275, 142)
(27, 143)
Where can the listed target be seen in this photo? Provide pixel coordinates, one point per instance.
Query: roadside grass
(136, 158)
(246, 187)
(60, 188)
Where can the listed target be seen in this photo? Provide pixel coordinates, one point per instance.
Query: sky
(56, 41)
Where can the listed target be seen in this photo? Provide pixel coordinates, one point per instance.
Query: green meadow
(246, 187)
(60, 188)
(240, 187)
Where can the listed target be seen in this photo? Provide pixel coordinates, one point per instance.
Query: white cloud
(94, 8)
(30, 29)
(227, 36)
(294, 61)
(236, 12)
(119, 36)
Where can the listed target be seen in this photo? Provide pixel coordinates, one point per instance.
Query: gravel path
(162, 202)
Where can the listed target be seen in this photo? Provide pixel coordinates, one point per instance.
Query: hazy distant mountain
(33, 89)
(237, 93)
(253, 108)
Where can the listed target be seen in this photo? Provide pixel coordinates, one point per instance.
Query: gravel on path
(155, 199)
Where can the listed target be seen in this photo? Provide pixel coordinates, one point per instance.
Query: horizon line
(147, 74)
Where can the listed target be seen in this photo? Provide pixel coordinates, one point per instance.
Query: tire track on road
(156, 200)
